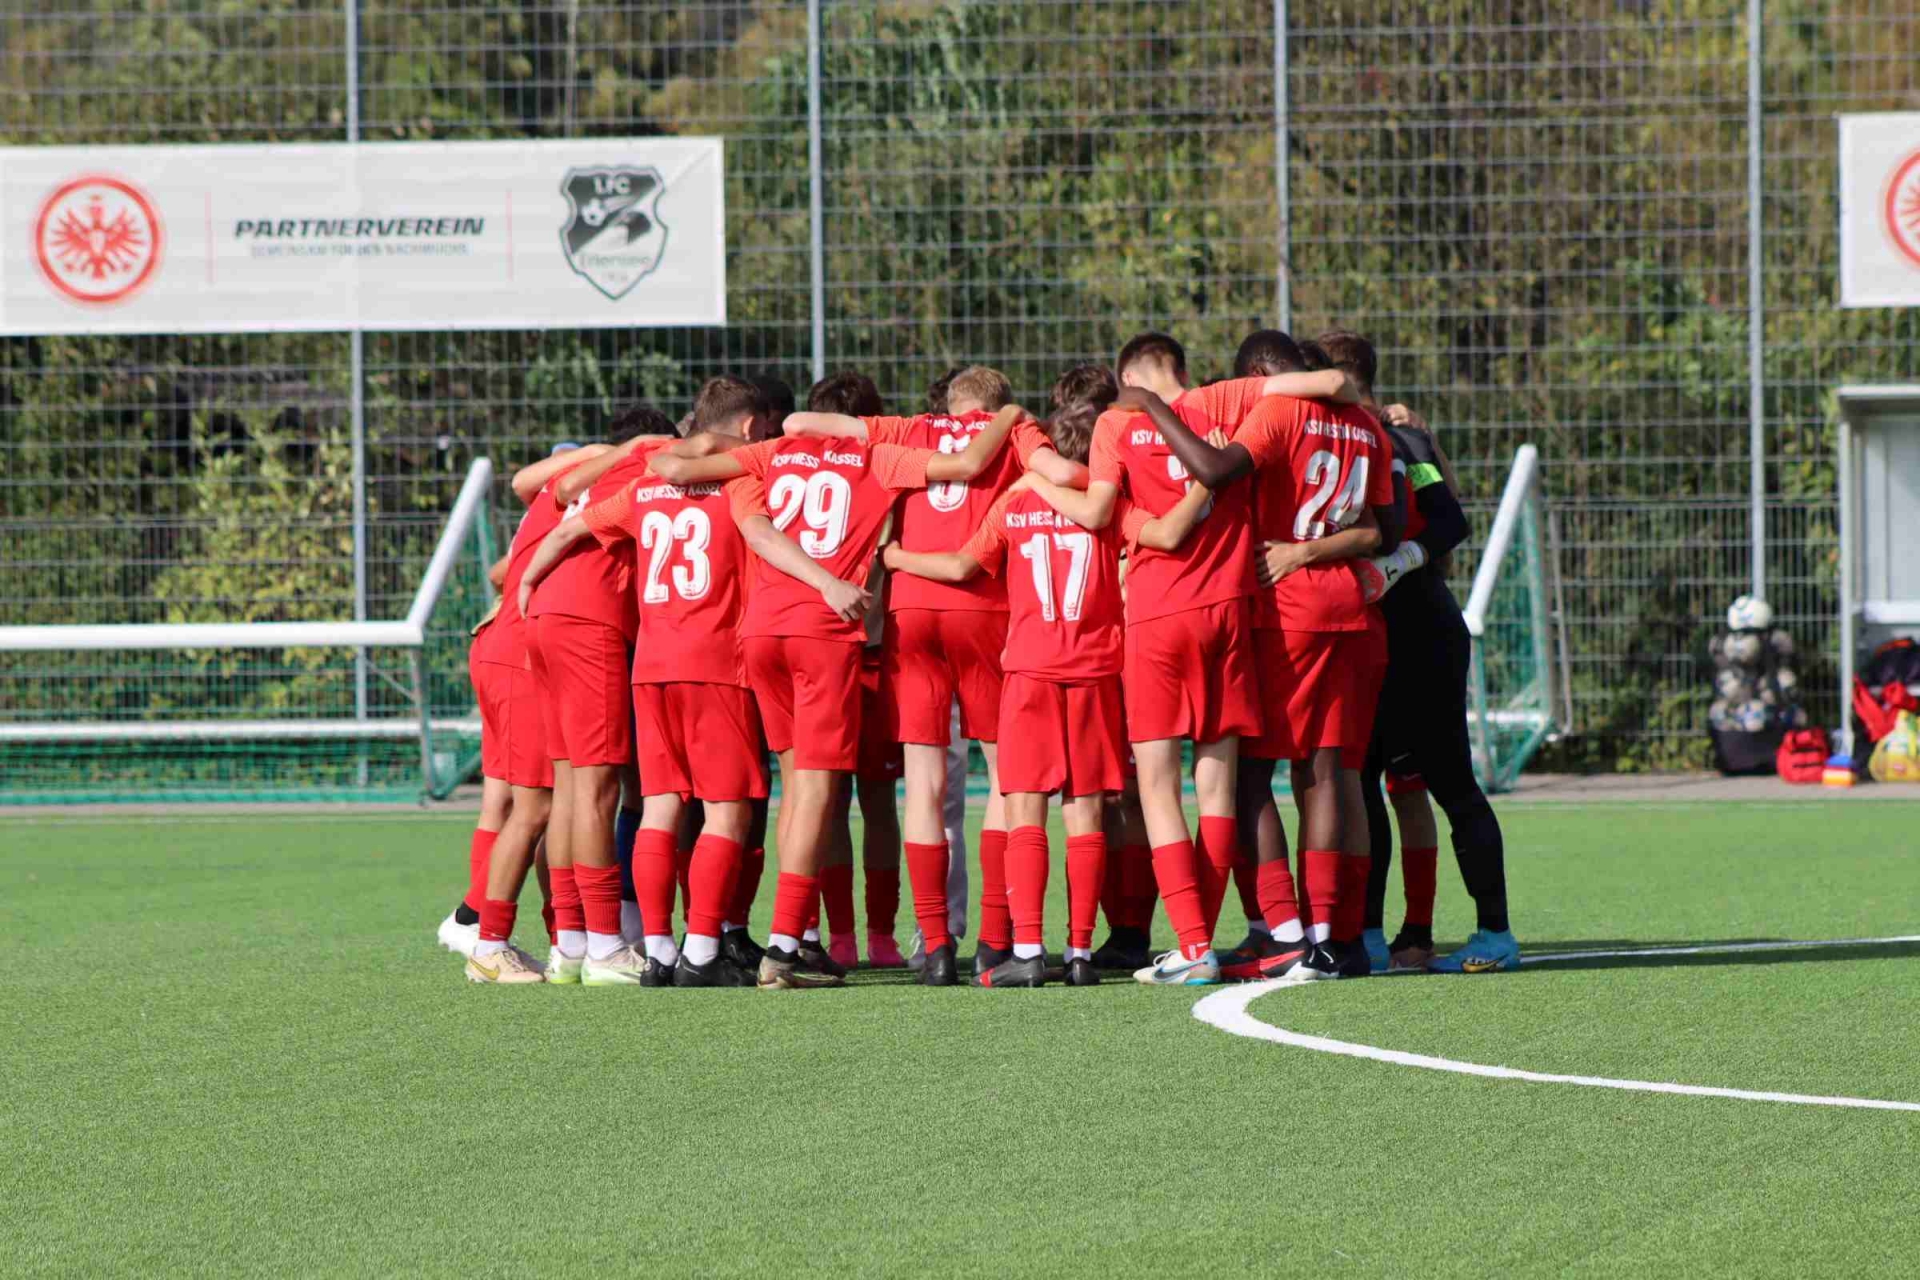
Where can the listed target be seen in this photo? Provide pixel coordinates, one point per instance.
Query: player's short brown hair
(723, 399)
(980, 386)
(1266, 351)
(776, 395)
(937, 389)
(1352, 354)
(639, 420)
(1071, 429)
(1314, 357)
(1084, 384)
(1152, 348)
(846, 392)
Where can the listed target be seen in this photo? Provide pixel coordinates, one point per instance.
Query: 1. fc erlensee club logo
(613, 235)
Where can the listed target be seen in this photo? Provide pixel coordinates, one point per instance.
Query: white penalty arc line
(1227, 1010)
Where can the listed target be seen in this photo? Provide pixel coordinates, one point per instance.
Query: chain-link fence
(1540, 212)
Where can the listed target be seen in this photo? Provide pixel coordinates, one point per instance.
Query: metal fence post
(816, 190)
(1756, 314)
(357, 409)
(1283, 272)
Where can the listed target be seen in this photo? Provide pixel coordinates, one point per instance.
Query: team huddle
(1156, 581)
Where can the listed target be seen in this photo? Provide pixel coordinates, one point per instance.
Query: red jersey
(945, 515)
(590, 580)
(504, 639)
(1215, 563)
(691, 572)
(832, 498)
(1063, 589)
(1319, 466)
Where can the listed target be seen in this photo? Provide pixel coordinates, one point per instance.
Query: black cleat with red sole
(1016, 972)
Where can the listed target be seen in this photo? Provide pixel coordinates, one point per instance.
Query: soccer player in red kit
(943, 640)
(803, 639)
(1060, 701)
(513, 734)
(582, 623)
(1189, 664)
(1324, 494)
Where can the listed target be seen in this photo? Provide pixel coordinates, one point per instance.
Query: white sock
(1289, 932)
(1320, 932)
(1259, 927)
(1027, 950)
(1079, 953)
(812, 935)
(486, 948)
(782, 941)
(602, 945)
(701, 949)
(630, 920)
(660, 947)
(572, 943)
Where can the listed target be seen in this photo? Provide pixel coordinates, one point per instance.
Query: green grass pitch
(231, 1046)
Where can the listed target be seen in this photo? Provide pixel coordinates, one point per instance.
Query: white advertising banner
(1880, 210)
(615, 232)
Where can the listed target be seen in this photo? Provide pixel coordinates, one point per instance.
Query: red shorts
(880, 756)
(809, 696)
(1062, 737)
(699, 739)
(1319, 689)
(513, 731)
(582, 667)
(932, 655)
(1190, 675)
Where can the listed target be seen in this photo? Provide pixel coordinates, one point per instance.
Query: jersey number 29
(824, 499)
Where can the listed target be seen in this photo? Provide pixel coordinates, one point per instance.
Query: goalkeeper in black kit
(1420, 738)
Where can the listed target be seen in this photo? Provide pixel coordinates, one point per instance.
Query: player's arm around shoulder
(1211, 465)
(1168, 532)
(529, 480)
(980, 453)
(825, 426)
(1091, 508)
(691, 461)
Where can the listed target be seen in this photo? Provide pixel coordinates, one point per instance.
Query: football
(1752, 716)
(1781, 643)
(1749, 613)
(1732, 686)
(1743, 648)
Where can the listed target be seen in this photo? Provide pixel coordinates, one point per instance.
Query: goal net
(1515, 684)
(262, 711)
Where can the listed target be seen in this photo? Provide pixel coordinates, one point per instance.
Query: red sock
(1320, 873)
(1350, 912)
(599, 897)
(883, 899)
(1419, 869)
(1026, 868)
(746, 886)
(654, 853)
(1278, 904)
(682, 874)
(496, 920)
(794, 897)
(566, 901)
(836, 886)
(1218, 847)
(996, 921)
(1086, 872)
(710, 876)
(479, 854)
(1139, 889)
(927, 872)
(1173, 868)
(1246, 882)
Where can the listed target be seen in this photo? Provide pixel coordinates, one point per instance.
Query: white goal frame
(409, 633)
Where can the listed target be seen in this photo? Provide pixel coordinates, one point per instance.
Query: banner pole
(1756, 312)
(1282, 188)
(356, 397)
(816, 225)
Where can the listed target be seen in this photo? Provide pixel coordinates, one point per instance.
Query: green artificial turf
(232, 1046)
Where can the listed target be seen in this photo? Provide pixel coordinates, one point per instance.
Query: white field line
(1227, 1010)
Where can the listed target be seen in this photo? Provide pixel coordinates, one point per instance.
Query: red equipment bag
(1802, 756)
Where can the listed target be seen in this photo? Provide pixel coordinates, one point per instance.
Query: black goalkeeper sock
(465, 915)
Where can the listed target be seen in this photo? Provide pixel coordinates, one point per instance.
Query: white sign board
(1880, 210)
(613, 232)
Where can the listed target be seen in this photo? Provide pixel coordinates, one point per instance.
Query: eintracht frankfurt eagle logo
(97, 239)
(1903, 208)
(613, 235)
